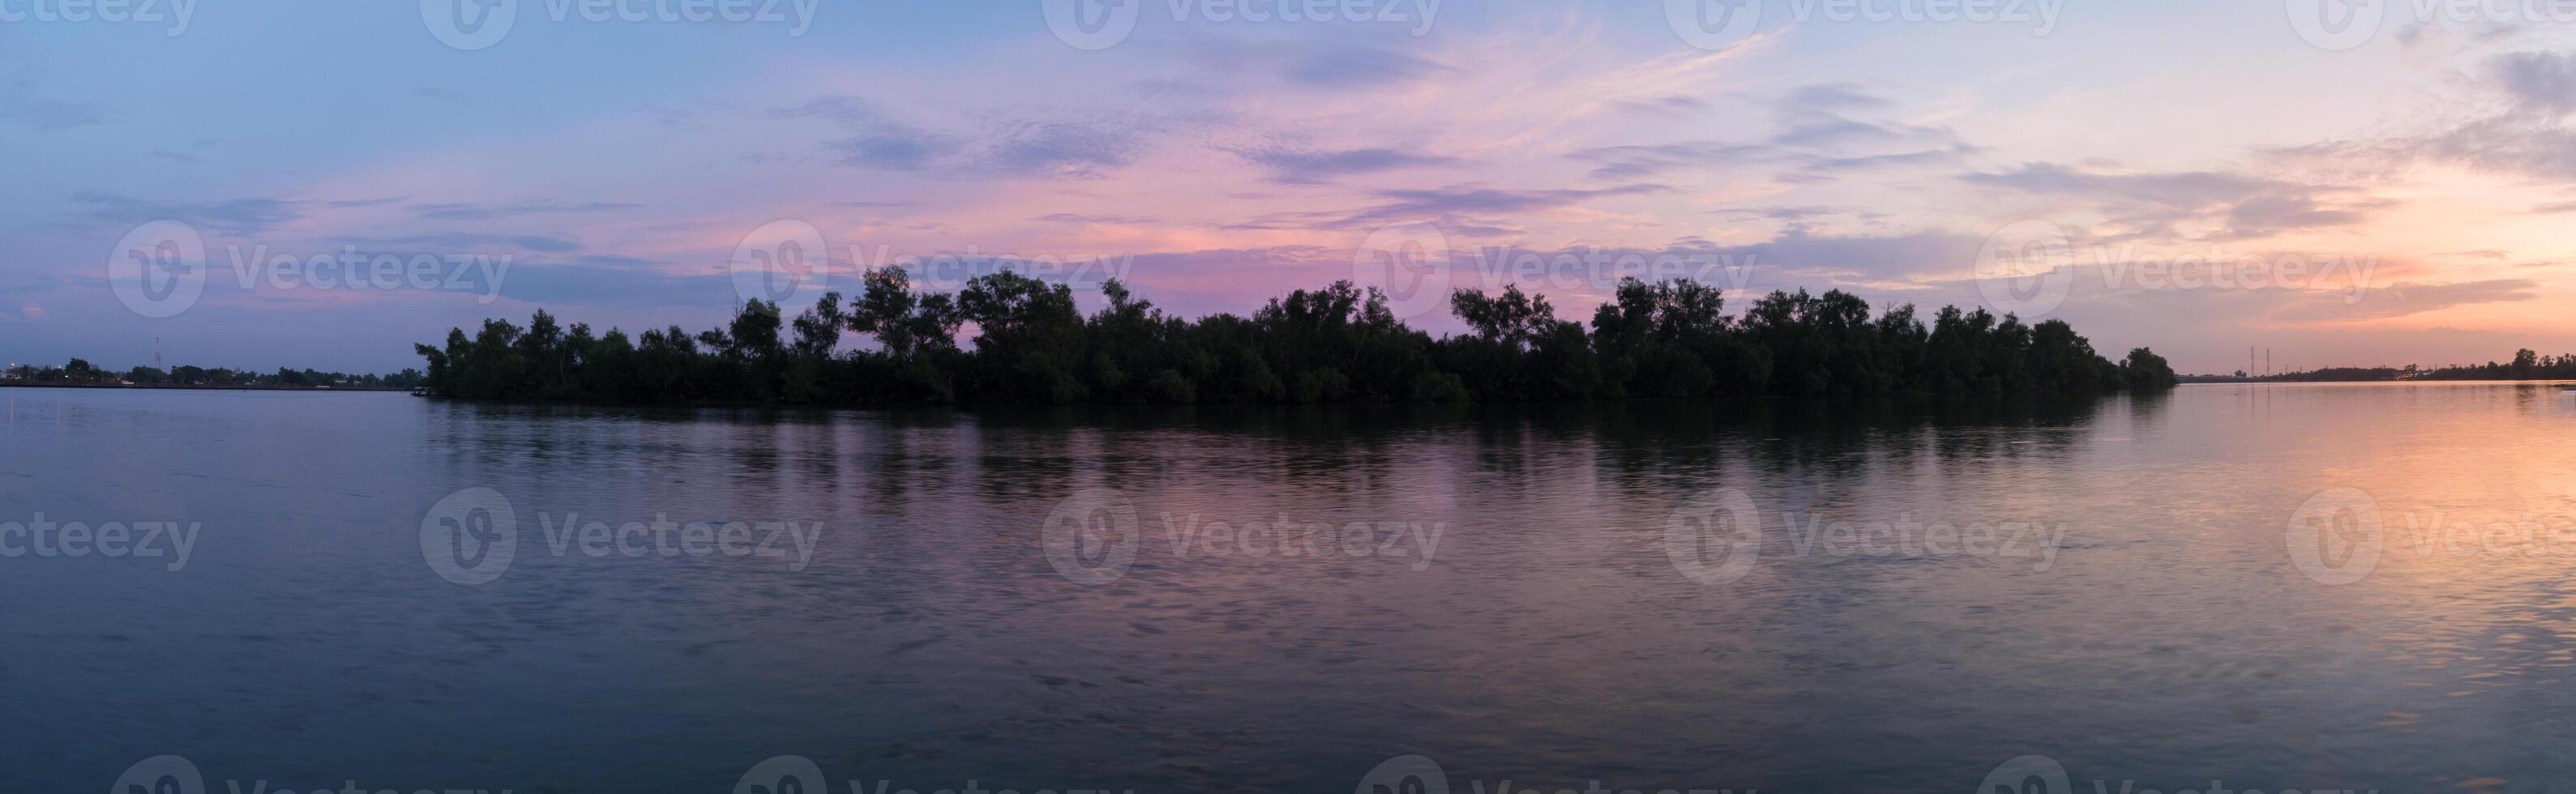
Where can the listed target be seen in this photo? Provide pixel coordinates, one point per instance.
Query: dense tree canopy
(1031, 344)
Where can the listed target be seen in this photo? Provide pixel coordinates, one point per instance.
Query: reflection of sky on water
(1551, 642)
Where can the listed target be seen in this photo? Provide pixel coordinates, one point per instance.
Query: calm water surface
(2165, 633)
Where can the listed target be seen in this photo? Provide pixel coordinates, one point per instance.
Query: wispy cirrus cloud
(467, 211)
(1639, 162)
(894, 148)
(1078, 218)
(2406, 299)
(1294, 166)
(453, 242)
(2190, 205)
(1818, 137)
(51, 115)
(1061, 148)
(1462, 205)
(1356, 66)
(233, 216)
(2539, 82)
(2526, 138)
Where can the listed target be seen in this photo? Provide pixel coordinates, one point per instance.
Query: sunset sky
(1219, 163)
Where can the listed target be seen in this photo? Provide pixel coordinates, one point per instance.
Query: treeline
(2339, 375)
(79, 372)
(1336, 344)
(2526, 365)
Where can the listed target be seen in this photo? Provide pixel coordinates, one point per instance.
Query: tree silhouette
(1031, 344)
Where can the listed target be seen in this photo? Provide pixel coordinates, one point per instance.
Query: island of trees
(1336, 344)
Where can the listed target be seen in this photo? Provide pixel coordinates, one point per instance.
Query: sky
(2339, 182)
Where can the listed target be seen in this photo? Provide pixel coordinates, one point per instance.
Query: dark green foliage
(1341, 343)
(2147, 371)
(1029, 340)
(1439, 387)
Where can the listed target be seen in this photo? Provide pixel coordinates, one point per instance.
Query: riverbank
(174, 387)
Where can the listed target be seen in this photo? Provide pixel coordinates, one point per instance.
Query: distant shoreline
(2204, 380)
(12, 384)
